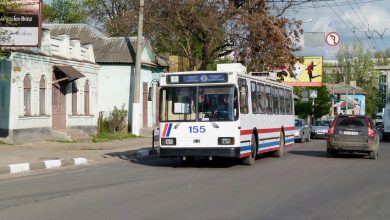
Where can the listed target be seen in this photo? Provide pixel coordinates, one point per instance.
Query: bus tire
(251, 159)
(279, 152)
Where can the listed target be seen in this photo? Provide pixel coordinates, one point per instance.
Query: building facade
(116, 57)
(48, 89)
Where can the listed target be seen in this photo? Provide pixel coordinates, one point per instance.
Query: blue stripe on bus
(269, 144)
(245, 148)
(290, 140)
(169, 129)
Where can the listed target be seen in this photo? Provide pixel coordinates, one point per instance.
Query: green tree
(321, 106)
(322, 103)
(356, 64)
(64, 11)
(4, 4)
(205, 31)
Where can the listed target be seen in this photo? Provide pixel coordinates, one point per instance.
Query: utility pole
(135, 129)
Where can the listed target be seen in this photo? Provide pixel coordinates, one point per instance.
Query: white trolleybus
(224, 113)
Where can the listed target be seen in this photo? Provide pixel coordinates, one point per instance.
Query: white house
(116, 57)
(48, 89)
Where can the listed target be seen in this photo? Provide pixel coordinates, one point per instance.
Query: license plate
(351, 132)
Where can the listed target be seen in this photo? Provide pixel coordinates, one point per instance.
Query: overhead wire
(369, 33)
(347, 25)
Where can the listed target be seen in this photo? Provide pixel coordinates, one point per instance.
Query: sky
(355, 21)
(365, 21)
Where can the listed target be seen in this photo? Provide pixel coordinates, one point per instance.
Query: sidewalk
(45, 154)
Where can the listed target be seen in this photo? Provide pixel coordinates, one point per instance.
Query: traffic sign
(305, 99)
(332, 39)
(313, 94)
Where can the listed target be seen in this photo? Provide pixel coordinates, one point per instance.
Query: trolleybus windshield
(203, 103)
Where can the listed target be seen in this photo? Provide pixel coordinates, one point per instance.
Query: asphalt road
(303, 184)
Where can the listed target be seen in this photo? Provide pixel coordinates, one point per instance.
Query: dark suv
(353, 133)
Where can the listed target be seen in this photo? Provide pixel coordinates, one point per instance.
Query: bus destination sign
(198, 78)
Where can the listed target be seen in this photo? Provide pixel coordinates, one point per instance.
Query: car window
(322, 123)
(352, 122)
(298, 123)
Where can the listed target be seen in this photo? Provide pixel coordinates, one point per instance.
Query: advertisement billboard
(351, 104)
(306, 73)
(21, 24)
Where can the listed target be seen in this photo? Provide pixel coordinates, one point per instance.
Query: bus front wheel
(251, 159)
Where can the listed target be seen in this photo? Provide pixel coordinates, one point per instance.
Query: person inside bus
(223, 110)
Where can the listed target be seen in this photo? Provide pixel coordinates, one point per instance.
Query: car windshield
(352, 122)
(322, 123)
(379, 117)
(298, 123)
(206, 103)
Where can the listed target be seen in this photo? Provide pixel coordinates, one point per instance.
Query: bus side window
(243, 89)
(282, 101)
(288, 102)
(275, 100)
(254, 97)
(268, 98)
(261, 99)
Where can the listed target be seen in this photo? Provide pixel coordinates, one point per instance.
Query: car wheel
(251, 159)
(302, 138)
(374, 154)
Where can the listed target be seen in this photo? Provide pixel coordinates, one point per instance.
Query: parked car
(302, 131)
(353, 133)
(320, 128)
(378, 120)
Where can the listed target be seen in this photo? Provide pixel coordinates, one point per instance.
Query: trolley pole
(137, 119)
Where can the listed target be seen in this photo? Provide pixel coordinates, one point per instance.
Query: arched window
(74, 98)
(27, 95)
(86, 98)
(42, 96)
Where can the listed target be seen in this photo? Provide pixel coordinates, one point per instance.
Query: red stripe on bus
(165, 130)
(245, 132)
(289, 145)
(289, 128)
(245, 155)
(268, 130)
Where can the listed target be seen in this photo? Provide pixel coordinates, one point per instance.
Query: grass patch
(106, 136)
(3, 143)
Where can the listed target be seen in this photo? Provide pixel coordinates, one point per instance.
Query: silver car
(320, 128)
(302, 131)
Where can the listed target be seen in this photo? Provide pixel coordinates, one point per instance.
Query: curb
(47, 164)
(54, 164)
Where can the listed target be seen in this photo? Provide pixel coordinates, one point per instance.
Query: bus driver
(223, 109)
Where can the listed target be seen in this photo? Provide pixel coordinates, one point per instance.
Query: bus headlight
(168, 141)
(226, 140)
